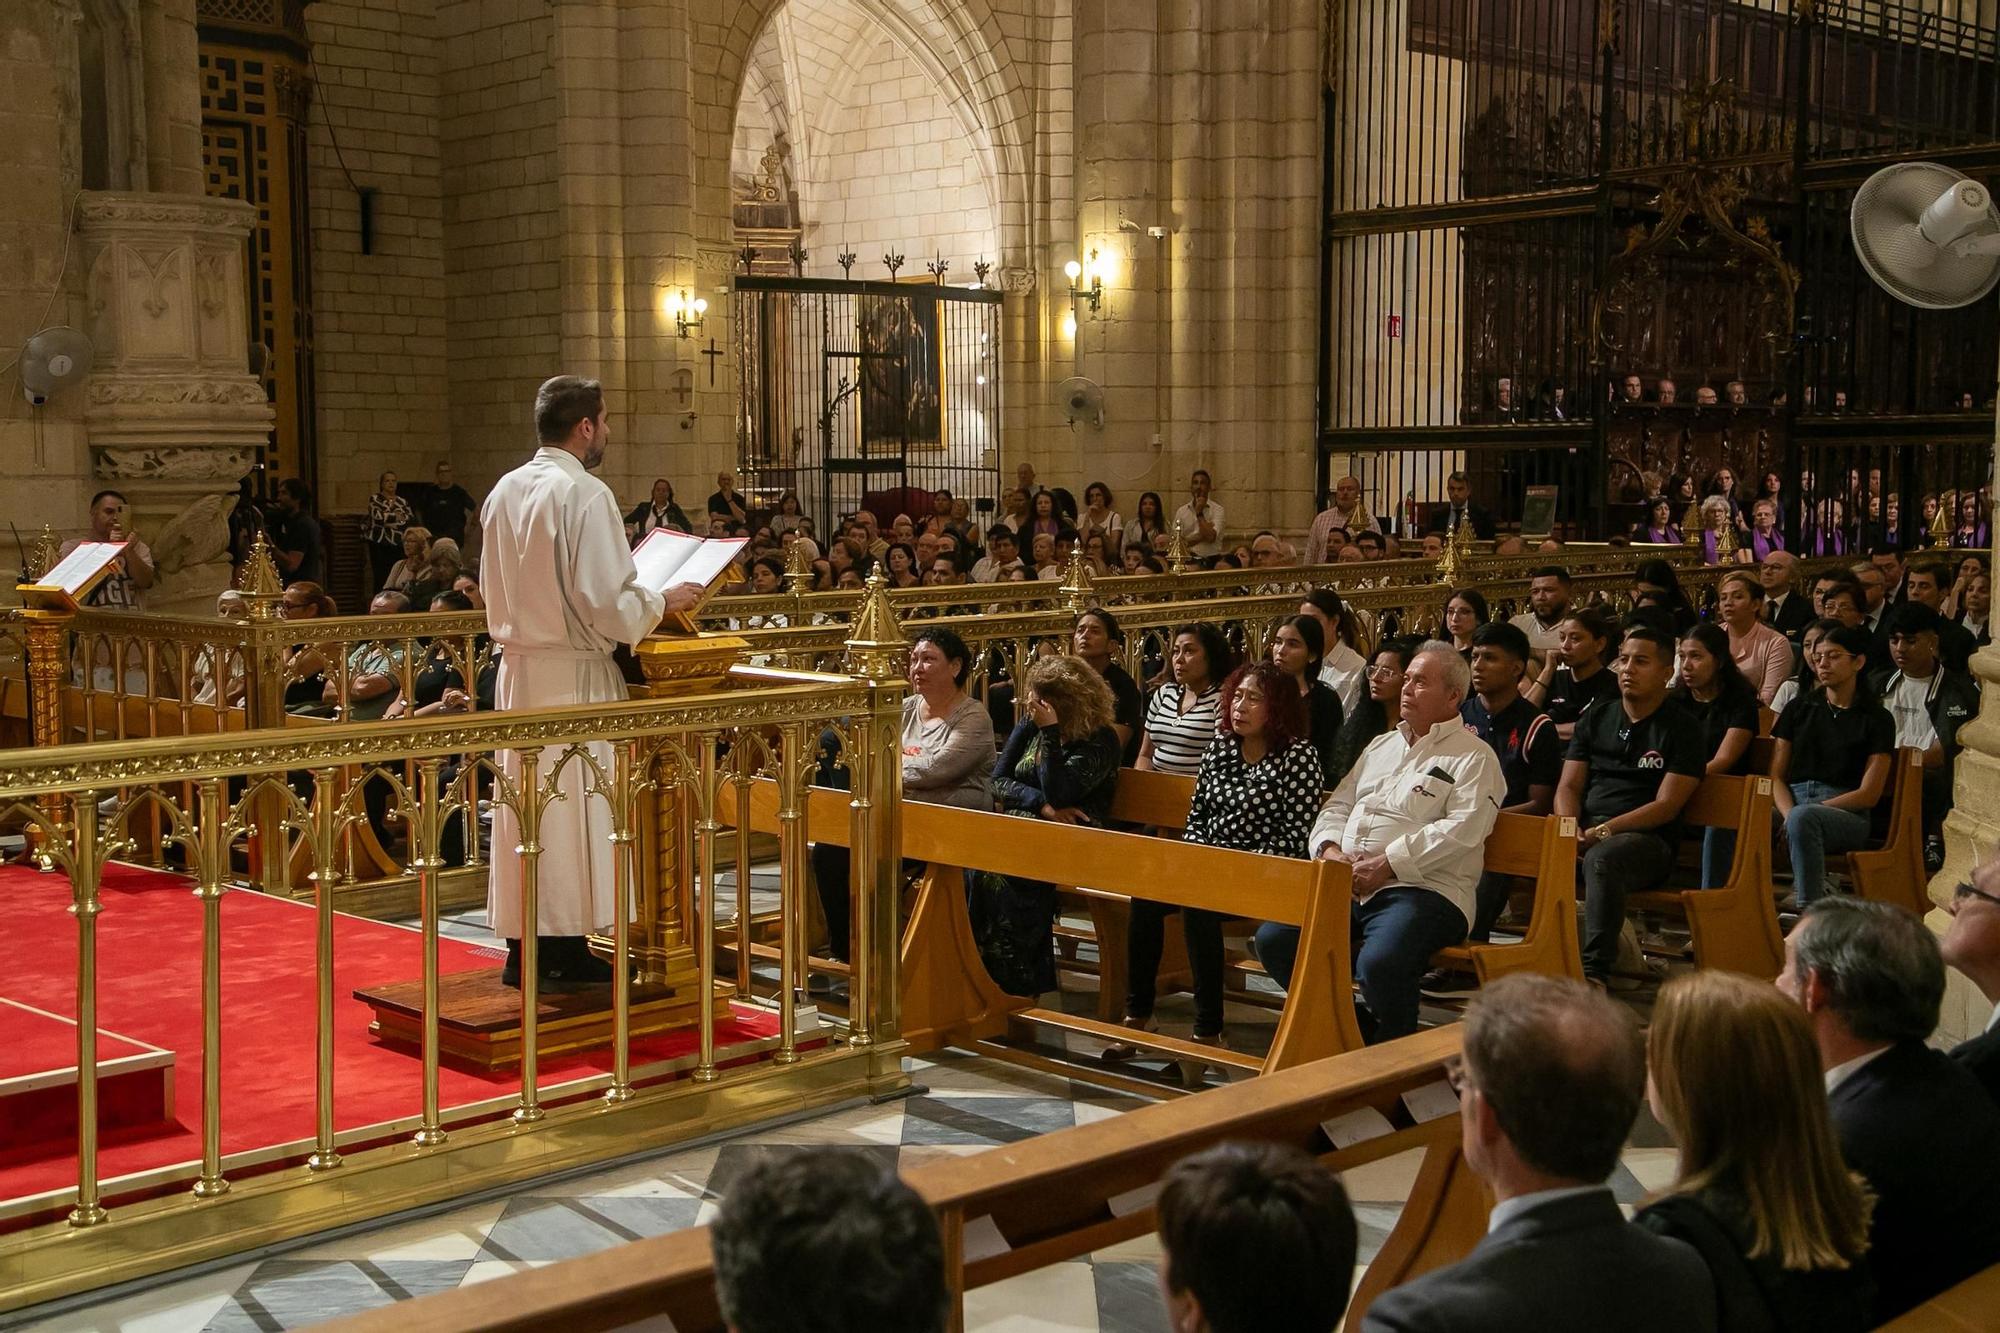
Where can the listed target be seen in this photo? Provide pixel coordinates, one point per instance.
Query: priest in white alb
(561, 592)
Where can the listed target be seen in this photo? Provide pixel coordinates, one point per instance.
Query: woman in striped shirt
(1181, 716)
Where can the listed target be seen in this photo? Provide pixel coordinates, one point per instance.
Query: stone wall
(497, 138)
(380, 317)
(42, 451)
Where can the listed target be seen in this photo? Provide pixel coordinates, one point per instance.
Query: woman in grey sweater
(947, 734)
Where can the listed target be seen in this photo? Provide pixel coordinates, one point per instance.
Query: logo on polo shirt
(1651, 759)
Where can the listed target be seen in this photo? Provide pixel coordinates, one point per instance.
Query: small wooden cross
(712, 353)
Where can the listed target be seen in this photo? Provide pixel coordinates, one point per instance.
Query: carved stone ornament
(714, 259)
(1017, 279)
(170, 464)
(178, 392)
(100, 209)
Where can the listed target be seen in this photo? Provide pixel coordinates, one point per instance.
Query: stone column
(173, 415)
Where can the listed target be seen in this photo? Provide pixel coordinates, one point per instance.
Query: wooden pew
(1894, 872)
(1968, 1307)
(1541, 848)
(1161, 801)
(1052, 1198)
(948, 999)
(1734, 925)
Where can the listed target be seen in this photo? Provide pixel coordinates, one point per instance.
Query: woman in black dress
(1060, 764)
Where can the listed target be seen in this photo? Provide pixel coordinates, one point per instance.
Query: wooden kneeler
(1733, 926)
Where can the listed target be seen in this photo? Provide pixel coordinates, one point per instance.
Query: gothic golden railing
(661, 769)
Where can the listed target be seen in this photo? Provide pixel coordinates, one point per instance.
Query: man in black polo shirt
(1531, 754)
(1631, 767)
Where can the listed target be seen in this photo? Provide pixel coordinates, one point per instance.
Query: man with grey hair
(1410, 820)
(1916, 1125)
(1550, 1084)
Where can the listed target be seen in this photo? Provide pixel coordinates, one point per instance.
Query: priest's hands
(684, 597)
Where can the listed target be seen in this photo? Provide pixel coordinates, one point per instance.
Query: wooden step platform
(479, 1019)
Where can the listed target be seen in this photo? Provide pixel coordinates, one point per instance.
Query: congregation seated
(1257, 790)
(1341, 666)
(1971, 944)
(1929, 701)
(1870, 979)
(1631, 767)
(1760, 1190)
(1060, 764)
(1924, 585)
(1297, 649)
(1093, 636)
(1465, 612)
(1549, 1088)
(1380, 708)
(439, 573)
(1523, 739)
(1410, 820)
(1761, 653)
(1548, 607)
(1255, 1238)
(1787, 609)
(1831, 762)
(415, 561)
(1185, 712)
(1713, 692)
(1574, 675)
(828, 1240)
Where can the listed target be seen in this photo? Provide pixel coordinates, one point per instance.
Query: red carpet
(38, 1083)
(149, 965)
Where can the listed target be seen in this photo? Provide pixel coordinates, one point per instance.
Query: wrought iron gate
(1530, 201)
(850, 390)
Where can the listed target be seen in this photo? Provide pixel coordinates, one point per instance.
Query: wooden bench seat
(1733, 926)
(947, 997)
(1542, 849)
(1051, 1198)
(1969, 1307)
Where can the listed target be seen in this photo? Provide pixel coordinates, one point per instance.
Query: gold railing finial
(1177, 551)
(1725, 540)
(1940, 532)
(259, 582)
(798, 569)
(1448, 561)
(1077, 588)
(41, 555)
(1693, 523)
(875, 647)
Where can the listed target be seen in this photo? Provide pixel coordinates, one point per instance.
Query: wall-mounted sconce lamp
(1094, 293)
(688, 314)
(1069, 324)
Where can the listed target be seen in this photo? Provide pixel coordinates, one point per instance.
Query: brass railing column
(707, 826)
(529, 849)
(793, 759)
(325, 827)
(861, 770)
(425, 861)
(209, 857)
(624, 813)
(745, 770)
(264, 707)
(86, 867)
(875, 652)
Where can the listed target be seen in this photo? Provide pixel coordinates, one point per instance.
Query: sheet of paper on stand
(72, 578)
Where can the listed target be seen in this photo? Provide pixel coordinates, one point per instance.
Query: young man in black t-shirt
(1531, 754)
(1632, 765)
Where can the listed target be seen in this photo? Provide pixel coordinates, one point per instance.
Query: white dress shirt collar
(1508, 1209)
(1846, 1069)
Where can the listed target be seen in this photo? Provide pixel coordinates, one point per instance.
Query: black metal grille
(1530, 200)
(851, 390)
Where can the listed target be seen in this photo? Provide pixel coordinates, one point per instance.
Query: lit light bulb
(1069, 325)
(700, 305)
(980, 380)
(1073, 270)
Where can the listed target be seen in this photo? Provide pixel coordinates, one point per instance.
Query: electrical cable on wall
(364, 195)
(62, 269)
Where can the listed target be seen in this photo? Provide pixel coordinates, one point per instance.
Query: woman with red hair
(1257, 791)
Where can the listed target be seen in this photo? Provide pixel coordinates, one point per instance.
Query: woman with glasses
(1381, 705)
(1830, 765)
(1464, 612)
(305, 663)
(1296, 650)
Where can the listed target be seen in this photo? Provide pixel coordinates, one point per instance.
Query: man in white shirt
(1200, 519)
(1346, 513)
(1548, 603)
(1410, 819)
(1003, 553)
(561, 593)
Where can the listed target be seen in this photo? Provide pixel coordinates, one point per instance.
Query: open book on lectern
(667, 558)
(68, 582)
